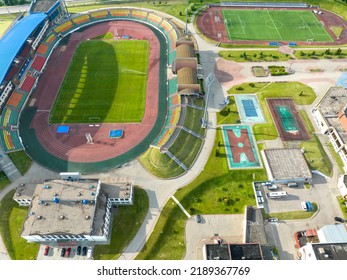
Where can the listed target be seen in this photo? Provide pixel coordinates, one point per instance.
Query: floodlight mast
(186, 29)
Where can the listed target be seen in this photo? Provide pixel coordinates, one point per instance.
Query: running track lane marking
(180, 206)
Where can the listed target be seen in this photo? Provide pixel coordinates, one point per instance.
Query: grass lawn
(265, 132)
(5, 23)
(21, 160)
(229, 114)
(316, 156)
(123, 231)
(342, 206)
(4, 181)
(192, 120)
(186, 147)
(160, 165)
(204, 196)
(11, 222)
(254, 55)
(280, 25)
(327, 53)
(336, 157)
(106, 82)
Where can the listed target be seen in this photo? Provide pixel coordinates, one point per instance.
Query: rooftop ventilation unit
(87, 217)
(61, 217)
(39, 217)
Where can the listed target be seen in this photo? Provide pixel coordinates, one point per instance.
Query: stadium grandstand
(17, 54)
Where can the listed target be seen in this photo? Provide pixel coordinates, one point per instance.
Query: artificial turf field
(106, 82)
(274, 25)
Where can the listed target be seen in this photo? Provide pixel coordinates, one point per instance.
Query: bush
(239, 88)
(251, 84)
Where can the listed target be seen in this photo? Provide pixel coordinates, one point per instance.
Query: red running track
(73, 146)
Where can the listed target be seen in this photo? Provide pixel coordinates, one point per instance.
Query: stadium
(93, 91)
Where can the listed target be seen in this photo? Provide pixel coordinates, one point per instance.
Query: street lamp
(209, 80)
(186, 29)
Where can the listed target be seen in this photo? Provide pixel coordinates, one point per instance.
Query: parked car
(198, 219)
(309, 206)
(79, 248)
(272, 220)
(67, 253)
(62, 252)
(84, 251)
(303, 205)
(46, 251)
(339, 219)
(272, 187)
(90, 253)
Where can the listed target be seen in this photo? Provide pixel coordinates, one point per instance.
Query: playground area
(287, 119)
(249, 108)
(270, 25)
(240, 148)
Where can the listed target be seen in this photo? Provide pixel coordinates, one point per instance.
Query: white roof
(333, 234)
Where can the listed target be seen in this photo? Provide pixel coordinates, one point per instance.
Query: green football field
(274, 25)
(106, 82)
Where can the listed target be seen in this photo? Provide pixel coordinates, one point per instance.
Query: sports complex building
(43, 46)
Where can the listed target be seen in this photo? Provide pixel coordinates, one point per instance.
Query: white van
(303, 205)
(90, 253)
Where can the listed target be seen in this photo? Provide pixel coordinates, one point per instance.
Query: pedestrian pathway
(181, 206)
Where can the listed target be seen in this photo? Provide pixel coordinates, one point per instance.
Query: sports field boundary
(39, 154)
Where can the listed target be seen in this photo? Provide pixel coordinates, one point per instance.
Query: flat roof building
(323, 251)
(70, 211)
(286, 165)
(330, 115)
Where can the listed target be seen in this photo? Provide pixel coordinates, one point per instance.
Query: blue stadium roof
(13, 40)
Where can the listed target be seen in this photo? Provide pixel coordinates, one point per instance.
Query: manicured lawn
(229, 114)
(106, 82)
(186, 147)
(254, 55)
(333, 53)
(159, 164)
(204, 196)
(247, 88)
(316, 156)
(21, 160)
(124, 231)
(4, 181)
(5, 23)
(192, 120)
(107, 35)
(11, 222)
(265, 132)
(336, 157)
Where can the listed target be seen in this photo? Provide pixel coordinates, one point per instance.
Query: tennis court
(274, 25)
(249, 108)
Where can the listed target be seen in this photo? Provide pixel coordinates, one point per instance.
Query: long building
(72, 211)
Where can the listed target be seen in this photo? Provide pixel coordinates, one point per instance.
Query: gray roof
(287, 164)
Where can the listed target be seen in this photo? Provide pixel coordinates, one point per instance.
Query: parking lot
(54, 253)
(291, 202)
